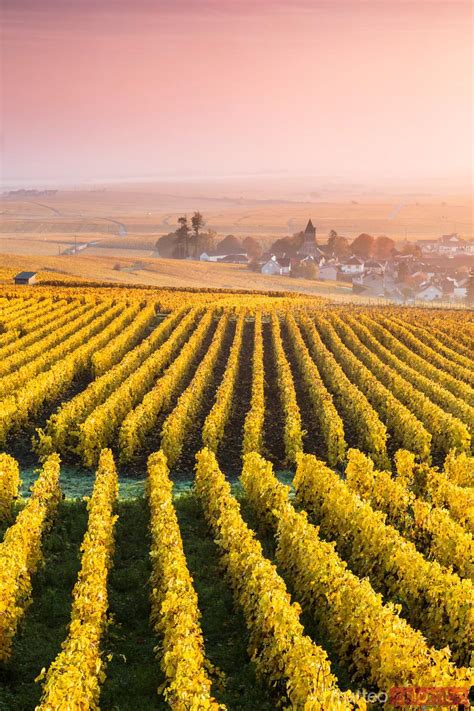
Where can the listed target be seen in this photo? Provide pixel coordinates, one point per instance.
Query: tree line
(191, 239)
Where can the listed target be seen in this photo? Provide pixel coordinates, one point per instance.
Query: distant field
(146, 213)
(31, 245)
(117, 251)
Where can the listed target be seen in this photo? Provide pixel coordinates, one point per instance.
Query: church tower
(308, 248)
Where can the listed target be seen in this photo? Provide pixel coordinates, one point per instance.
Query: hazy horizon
(351, 90)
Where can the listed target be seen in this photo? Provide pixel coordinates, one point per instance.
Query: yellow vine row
(100, 426)
(459, 469)
(420, 376)
(282, 653)
(74, 677)
(405, 429)
(447, 371)
(447, 431)
(324, 410)
(37, 309)
(459, 500)
(24, 365)
(61, 428)
(434, 600)
(358, 414)
(107, 357)
(8, 339)
(174, 604)
(293, 433)
(255, 417)
(178, 422)
(438, 488)
(438, 341)
(50, 384)
(431, 528)
(214, 425)
(372, 637)
(139, 422)
(38, 328)
(13, 306)
(448, 339)
(21, 551)
(9, 485)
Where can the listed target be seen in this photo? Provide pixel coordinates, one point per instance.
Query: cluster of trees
(288, 245)
(364, 246)
(234, 245)
(188, 240)
(191, 240)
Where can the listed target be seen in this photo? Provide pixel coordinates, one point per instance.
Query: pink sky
(97, 89)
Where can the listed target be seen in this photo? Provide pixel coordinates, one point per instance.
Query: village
(427, 270)
(432, 271)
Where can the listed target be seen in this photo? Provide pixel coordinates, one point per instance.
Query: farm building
(25, 278)
(221, 256)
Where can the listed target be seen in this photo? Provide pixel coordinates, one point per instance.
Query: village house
(373, 267)
(328, 272)
(429, 292)
(373, 284)
(352, 266)
(271, 267)
(278, 266)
